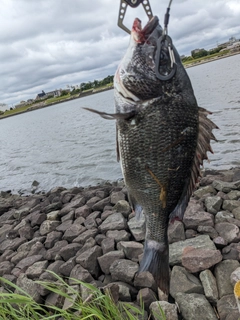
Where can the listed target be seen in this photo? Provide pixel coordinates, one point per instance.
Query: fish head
(136, 76)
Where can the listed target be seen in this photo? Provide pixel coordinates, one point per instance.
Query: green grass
(96, 305)
(206, 58)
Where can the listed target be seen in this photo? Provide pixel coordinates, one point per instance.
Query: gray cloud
(46, 45)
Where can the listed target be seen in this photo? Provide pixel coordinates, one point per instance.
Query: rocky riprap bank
(92, 235)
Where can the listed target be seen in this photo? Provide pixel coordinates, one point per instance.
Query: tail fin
(155, 260)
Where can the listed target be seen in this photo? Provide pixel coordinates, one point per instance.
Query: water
(64, 145)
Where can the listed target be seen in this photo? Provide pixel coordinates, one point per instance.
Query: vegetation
(96, 306)
(211, 54)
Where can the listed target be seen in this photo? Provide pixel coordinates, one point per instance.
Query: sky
(49, 44)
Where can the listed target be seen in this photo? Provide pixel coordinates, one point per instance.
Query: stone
(69, 251)
(131, 249)
(54, 299)
(145, 280)
(66, 268)
(26, 232)
(223, 272)
(34, 271)
(227, 308)
(29, 286)
(107, 245)
(236, 213)
(83, 211)
(117, 196)
(231, 252)
(209, 285)
(82, 238)
(108, 258)
(137, 228)
(48, 226)
(28, 261)
(201, 192)
(92, 201)
(37, 248)
(195, 259)
(112, 290)
(105, 214)
(52, 238)
(169, 309)
(68, 216)
(8, 255)
(99, 239)
(123, 207)
(195, 306)
(123, 270)
(213, 204)
(90, 223)
(116, 221)
(90, 242)
(53, 207)
(176, 231)
(146, 296)
(10, 244)
(54, 251)
(18, 257)
(53, 215)
(235, 276)
(192, 220)
(99, 206)
(64, 226)
(54, 268)
(73, 232)
(79, 273)
(227, 231)
(234, 195)
(89, 260)
(37, 218)
(118, 235)
(230, 205)
(208, 230)
(28, 245)
(223, 186)
(184, 282)
(199, 242)
(6, 267)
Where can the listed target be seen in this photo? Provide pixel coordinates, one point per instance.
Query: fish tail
(156, 261)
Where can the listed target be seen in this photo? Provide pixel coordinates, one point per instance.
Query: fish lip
(141, 34)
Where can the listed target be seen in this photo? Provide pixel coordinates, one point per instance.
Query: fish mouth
(140, 35)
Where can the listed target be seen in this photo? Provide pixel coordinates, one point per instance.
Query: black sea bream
(162, 140)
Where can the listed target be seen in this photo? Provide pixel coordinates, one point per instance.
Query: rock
(195, 306)
(34, 271)
(146, 296)
(227, 308)
(54, 251)
(223, 186)
(131, 249)
(99, 206)
(54, 299)
(10, 244)
(66, 268)
(230, 205)
(83, 211)
(53, 215)
(223, 272)
(145, 280)
(52, 237)
(6, 267)
(137, 228)
(99, 239)
(88, 260)
(64, 226)
(37, 218)
(234, 195)
(235, 276)
(73, 232)
(207, 230)
(68, 216)
(227, 231)
(53, 207)
(82, 238)
(176, 248)
(79, 273)
(28, 261)
(195, 260)
(231, 252)
(48, 226)
(54, 267)
(123, 207)
(118, 235)
(69, 251)
(123, 270)
(29, 286)
(184, 282)
(90, 242)
(112, 290)
(213, 204)
(192, 220)
(26, 232)
(107, 245)
(92, 201)
(107, 259)
(169, 309)
(201, 192)
(236, 213)
(116, 221)
(176, 231)
(117, 196)
(209, 285)
(28, 245)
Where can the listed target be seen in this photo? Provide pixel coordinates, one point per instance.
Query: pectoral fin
(113, 116)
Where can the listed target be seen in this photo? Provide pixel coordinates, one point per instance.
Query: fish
(163, 137)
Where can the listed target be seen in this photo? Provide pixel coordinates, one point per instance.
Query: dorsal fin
(205, 134)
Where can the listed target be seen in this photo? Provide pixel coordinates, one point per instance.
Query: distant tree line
(196, 54)
(96, 83)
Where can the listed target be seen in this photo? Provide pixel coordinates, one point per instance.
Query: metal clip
(133, 4)
(163, 55)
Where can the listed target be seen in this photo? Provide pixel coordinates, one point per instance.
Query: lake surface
(64, 145)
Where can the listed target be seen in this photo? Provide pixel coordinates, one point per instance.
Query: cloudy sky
(49, 44)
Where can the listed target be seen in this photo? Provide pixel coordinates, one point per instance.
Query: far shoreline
(85, 94)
